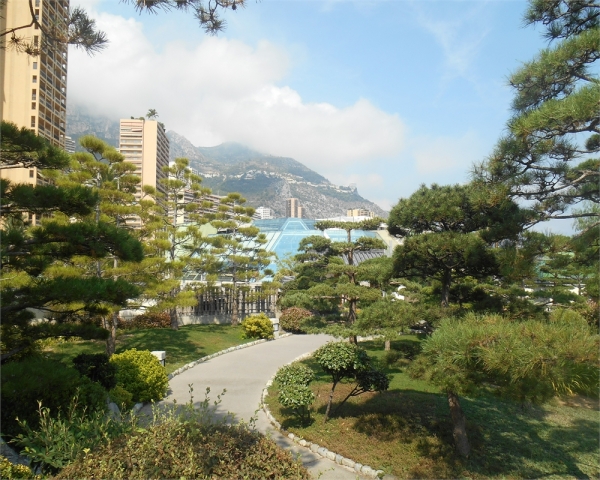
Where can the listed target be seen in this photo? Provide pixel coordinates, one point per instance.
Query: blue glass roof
(285, 234)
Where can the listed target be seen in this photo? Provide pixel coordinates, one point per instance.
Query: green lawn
(185, 345)
(407, 432)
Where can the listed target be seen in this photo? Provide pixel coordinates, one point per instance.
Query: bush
(38, 379)
(121, 397)
(291, 319)
(298, 398)
(408, 350)
(294, 374)
(391, 357)
(57, 441)
(147, 320)
(97, 368)
(140, 372)
(194, 443)
(258, 326)
(12, 471)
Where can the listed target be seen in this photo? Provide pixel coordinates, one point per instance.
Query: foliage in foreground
(12, 471)
(58, 440)
(141, 374)
(295, 394)
(38, 379)
(193, 443)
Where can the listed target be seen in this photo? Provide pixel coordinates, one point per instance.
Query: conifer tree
(238, 247)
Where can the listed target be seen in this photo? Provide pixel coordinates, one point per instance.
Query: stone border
(222, 352)
(314, 447)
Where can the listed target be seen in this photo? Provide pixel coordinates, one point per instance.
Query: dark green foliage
(147, 320)
(96, 367)
(38, 379)
(344, 360)
(60, 439)
(294, 374)
(292, 318)
(22, 147)
(140, 372)
(298, 398)
(257, 326)
(121, 397)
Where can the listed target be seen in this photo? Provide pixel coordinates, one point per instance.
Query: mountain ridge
(264, 180)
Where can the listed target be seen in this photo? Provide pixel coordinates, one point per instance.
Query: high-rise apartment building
(34, 89)
(145, 144)
(293, 208)
(361, 212)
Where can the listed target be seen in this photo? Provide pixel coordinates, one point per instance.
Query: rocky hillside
(264, 180)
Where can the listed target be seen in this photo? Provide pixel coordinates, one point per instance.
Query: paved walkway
(244, 373)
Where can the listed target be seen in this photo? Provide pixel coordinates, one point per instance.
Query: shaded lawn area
(407, 432)
(183, 346)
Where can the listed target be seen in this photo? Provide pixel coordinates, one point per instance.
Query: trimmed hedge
(292, 318)
(147, 320)
(258, 326)
(140, 373)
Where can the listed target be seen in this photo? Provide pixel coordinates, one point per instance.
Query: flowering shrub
(291, 319)
(147, 320)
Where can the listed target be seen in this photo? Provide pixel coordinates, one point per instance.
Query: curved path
(244, 373)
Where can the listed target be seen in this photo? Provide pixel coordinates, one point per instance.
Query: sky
(384, 94)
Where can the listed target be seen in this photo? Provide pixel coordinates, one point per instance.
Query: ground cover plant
(407, 430)
(189, 343)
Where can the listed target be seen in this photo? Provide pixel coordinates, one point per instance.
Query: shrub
(294, 374)
(291, 319)
(97, 368)
(38, 379)
(408, 350)
(391, 357)
(15, 471)
(193, 443)
(57, 441)
(140, 372)
(147, 320)
(121, 397)
(298, 398)
(257, 326)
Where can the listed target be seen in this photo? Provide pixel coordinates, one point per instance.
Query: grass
(183, 346)
(407, 431)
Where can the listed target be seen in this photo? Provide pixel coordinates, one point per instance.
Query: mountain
(267, 181)
(264, 180)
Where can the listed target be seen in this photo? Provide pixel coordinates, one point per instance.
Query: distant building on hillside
(145, 144)
(360, 212)
(69, 145)
(293, 208)
(263, 213)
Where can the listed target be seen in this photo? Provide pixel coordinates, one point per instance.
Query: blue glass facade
(285, 234)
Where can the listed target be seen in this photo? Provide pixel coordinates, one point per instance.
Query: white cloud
(447, 154)
(225, 90)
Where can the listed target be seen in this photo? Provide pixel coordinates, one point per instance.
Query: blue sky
(384, 94)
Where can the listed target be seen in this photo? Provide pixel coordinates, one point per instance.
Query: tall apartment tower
(34, 89)
(293, 208)
(145, 144)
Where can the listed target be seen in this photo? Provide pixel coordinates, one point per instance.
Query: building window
(34, 79)
(33, 105)
(35, 65)
(33, 94)
(30, 173)
(32, 121)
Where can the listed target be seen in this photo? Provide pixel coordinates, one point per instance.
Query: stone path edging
(314, 447)
(222, 352)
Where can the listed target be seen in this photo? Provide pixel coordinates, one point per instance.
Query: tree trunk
(330, 401)
(353, 339)
(388, 345)
(446, 280)
(352, 310)
(111, 341)
(460, 425)
(174, 319)
(235, 313)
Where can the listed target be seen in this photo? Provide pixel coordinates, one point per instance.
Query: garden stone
(379, 473)
(113, 411)
(303, 443)
(331, 455)
(322, 451)
(314, 447)
(357, 467)
(339, 459)
(368, 471)
(137, 407)
(291, 436)
(348, 463)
